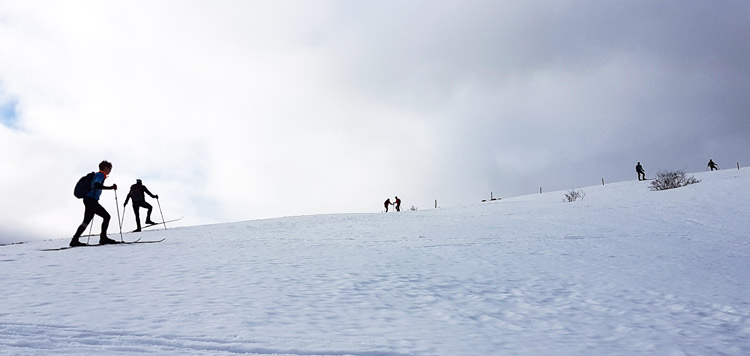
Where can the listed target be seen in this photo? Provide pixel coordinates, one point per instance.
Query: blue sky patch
(9, 114)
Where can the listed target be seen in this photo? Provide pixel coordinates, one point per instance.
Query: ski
(96, 245)
(161, 223)
(144, 227)
(146, 242)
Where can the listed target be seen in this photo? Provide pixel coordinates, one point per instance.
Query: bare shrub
(669, 180)
(573, 195)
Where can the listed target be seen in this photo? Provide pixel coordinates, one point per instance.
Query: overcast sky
(237, 110)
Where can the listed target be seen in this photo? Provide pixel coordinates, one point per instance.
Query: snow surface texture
(626, 271)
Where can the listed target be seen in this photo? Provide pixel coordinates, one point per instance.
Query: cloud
(238, 110)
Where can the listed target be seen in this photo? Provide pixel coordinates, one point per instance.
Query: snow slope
(626, 271)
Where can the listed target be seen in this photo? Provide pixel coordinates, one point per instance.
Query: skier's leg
(88, 214)
(148, 212)
(137, 216)
(103, 239)
(99, 210)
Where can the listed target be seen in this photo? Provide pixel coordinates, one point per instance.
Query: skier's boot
(137, 230)
(149, 222)
(74, 242)
(104, 240)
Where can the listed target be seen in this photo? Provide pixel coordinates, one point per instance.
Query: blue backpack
(83, 186)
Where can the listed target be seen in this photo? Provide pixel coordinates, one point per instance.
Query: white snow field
(625, 271)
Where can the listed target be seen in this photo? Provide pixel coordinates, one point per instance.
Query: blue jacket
(99, 177)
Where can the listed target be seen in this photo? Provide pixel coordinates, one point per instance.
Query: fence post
(602, 181)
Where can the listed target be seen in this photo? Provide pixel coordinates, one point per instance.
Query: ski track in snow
(625, 271)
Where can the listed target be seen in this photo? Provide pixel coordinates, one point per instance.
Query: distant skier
(387, 202)
(712, 164)
(397, 204)
(640, 171)
(139, 200)
(91, 202)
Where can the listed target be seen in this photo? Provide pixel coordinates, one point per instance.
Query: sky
(238, 110)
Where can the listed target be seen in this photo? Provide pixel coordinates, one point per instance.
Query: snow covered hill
(625, 271)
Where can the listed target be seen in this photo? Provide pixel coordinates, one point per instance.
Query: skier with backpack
(89, 188)
(137, 191)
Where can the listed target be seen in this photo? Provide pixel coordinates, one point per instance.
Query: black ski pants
(93, 208)
(141, 204)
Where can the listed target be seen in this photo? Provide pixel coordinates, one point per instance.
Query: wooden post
(602, 181)
(435, 203)
(491, 198)
(540, 190)
(738, 165)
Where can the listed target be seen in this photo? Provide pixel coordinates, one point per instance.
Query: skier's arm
(98, 185)
(149, 193)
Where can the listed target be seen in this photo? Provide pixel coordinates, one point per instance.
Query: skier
(91, 202)
(640, 171)
(712, 164)
(139, 200)
(387, 202)
(397, 204)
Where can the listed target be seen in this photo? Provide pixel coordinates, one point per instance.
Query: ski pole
(117, 203)
(162, 214)
(91, 228)
(123, 216)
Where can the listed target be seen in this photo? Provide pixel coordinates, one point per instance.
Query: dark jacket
(136, 192)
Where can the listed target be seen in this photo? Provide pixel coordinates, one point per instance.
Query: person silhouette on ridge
(712, 164)
(139, 201)
(640, 171)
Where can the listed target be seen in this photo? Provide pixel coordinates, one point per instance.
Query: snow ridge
(625, 271)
